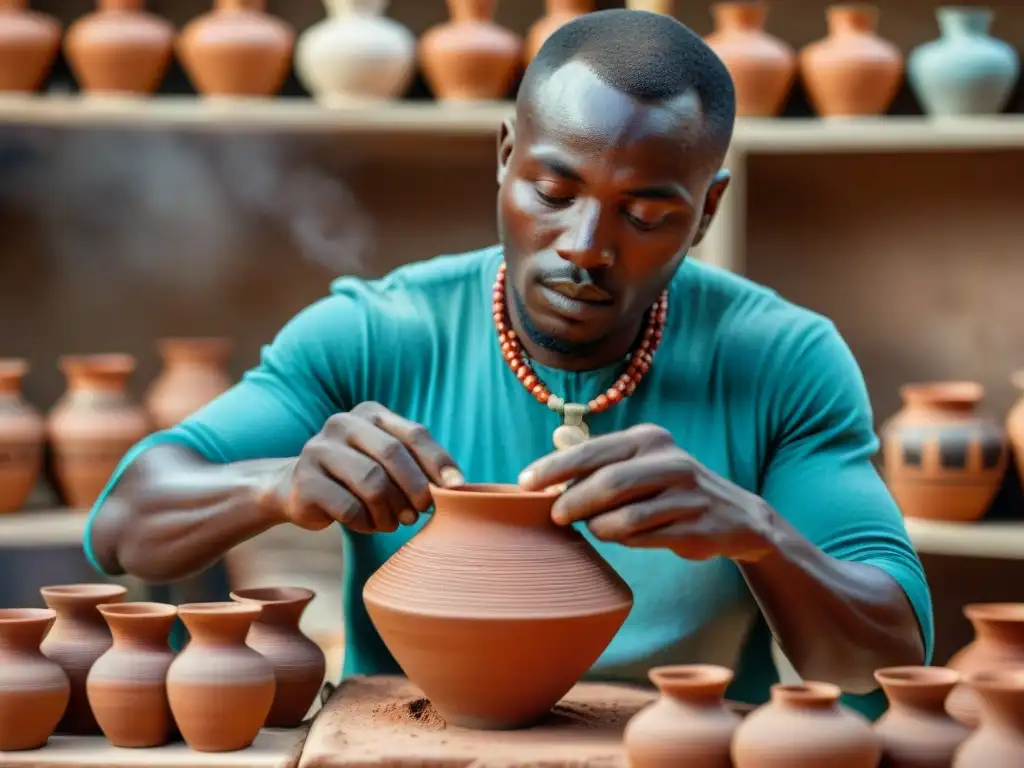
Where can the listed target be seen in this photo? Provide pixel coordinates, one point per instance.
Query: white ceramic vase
(356, 54)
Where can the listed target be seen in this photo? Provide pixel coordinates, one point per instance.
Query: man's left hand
(640, 489)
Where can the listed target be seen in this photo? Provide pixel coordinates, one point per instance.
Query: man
(728, 473)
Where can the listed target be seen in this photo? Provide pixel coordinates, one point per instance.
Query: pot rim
(960, 392)
(83, 590)
(288, 595)
(994, 611)
(139, 609)
(490, 491)
(26, 615)
(917, 676)
(672, 675)
(218, 607)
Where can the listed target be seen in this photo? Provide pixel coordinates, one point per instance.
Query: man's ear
(711, 202)
(506, 139)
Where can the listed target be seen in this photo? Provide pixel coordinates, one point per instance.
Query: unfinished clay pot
(916, 731)
(805, 726)
(998, 644)
(1015, 425)
(470, 57)
(78, 637)
(999, 740)
(127, 686)
(93, 424)
(34, 691)
(762, 66)
(852, 72)
(556, 14)
(220, 689)
(194, 373)
(689, 725)
(29, 44)
(119, 49)
(237, 50)
(493, 610)
(943, 458)
(22, 437)
(299, 664)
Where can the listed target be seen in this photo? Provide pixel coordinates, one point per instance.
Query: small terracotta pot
(29, 44)
(127, 686)
(556, 14)
(805, 726)
(944, 459)
(220, 690)
(470, 58)
(22, 437)
(998, 644)
(78, 637)
(34, 691)
(852, 72)
(916, 731)
(1015, 425)
(690, 725)
(299, 664)
(119, 49)
(999, 740)
(193, 374)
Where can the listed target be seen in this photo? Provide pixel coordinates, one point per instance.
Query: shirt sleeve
(820, 474)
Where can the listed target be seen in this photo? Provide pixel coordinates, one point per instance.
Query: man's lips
(585, 292)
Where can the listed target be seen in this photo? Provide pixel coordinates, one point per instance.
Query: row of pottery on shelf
(95, 421)
(944, 457)
(92, 663)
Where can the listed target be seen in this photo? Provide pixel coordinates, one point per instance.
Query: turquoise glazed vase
(965, 71)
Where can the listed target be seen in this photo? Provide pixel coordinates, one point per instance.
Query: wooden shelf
(1003, 541)
(43, 528)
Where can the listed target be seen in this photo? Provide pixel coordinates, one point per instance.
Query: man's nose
(583, 242)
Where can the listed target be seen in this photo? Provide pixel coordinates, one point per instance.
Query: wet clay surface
(386, 721)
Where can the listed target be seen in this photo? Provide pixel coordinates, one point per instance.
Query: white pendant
(570, 435)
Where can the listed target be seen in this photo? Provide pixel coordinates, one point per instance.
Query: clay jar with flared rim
(557, 13)
(998, 644)
(93, 424)
(762, 66)
(805, 726)
(220, 689)
(1015, 425)
(852, 71)
(127, 686)
(999, 740)
(78, 637)
(193, 374)
(299, 664)
(34, 690)
(119, 49)
(690, 725)
(29, 44)
(493, 610)
(943, 458)
(22, 437)
(237, 50)
(916, 731)
(470, 57)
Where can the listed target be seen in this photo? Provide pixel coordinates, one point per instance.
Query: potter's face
(600, 198)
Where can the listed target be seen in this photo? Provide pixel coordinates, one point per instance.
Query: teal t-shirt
(761, 391)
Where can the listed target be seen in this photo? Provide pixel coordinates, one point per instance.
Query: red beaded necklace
(574, 430)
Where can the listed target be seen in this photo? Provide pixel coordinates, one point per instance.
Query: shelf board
(42, 528)
(999, 541)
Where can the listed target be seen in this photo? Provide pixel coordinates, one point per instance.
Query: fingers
(650, 517)
(370, 482)
(435, 461)
(317, 500)
(576, 462)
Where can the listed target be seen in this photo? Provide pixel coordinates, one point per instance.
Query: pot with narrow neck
(193, 374)
(999, 739)
(556, 14)
(944, 458)
(22, 437)
(29, 44)
(492, 609)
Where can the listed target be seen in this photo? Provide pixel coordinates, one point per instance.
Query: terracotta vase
(93, 424)
(762, 66)
(237, 50)
(1015, 425)
(556, 14)
(34, 691)
(470, 57)
(127, 686)
(299, 664)
(78, 637)
(193, 374)
(916, 731)
(29, 44)
(853, 71)
(119, 49)
(999, 740)
(220, 689)
(943, 458)
(805, 726)
(493, 610)
(22, 437)
(689, 725)
(998, 644)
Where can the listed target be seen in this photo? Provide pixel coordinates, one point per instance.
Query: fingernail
(451, 477)
(527, 478)
(407, 517)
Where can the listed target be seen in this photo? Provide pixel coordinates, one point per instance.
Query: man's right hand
(367, 469)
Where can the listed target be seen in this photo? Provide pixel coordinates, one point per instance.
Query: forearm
(174, 514)
(835, 621)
